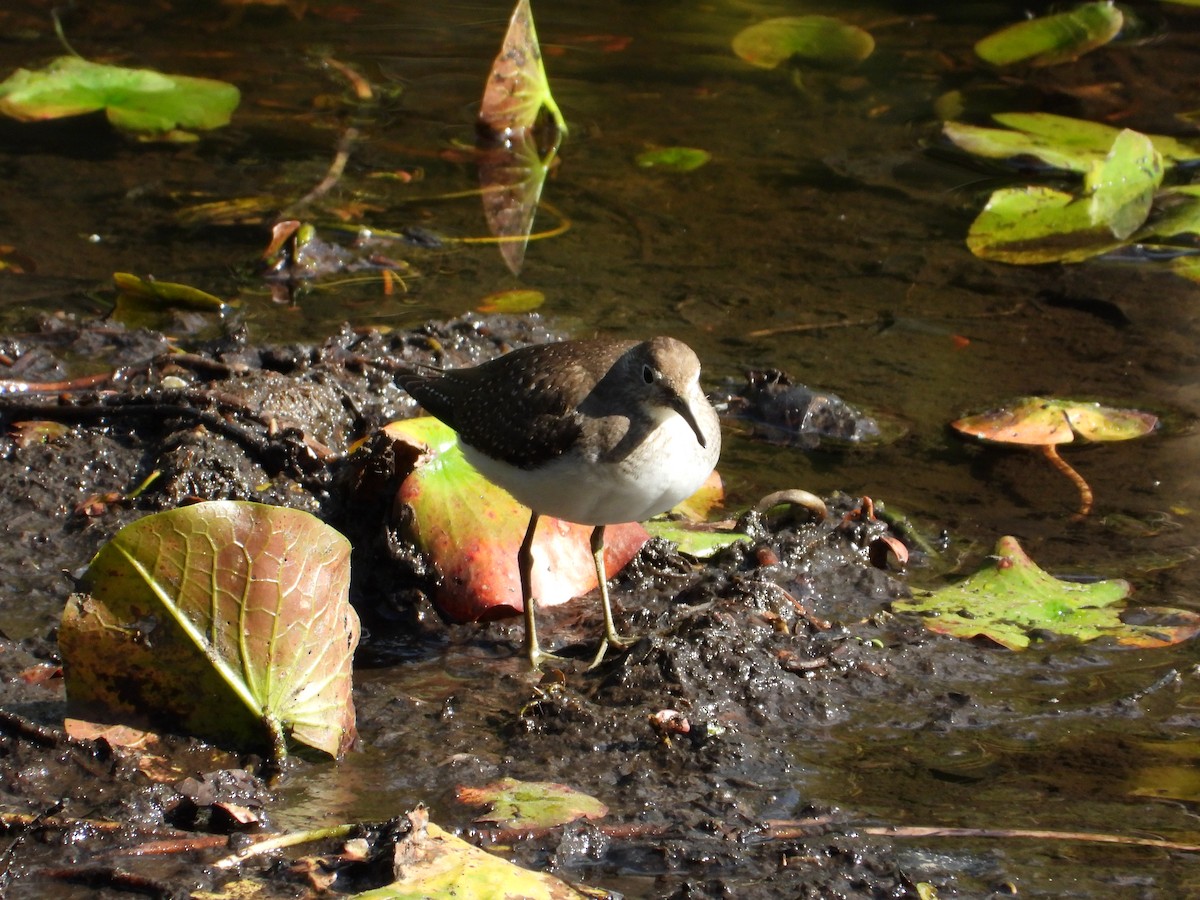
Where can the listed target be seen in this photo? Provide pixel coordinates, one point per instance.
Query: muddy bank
(779, 654)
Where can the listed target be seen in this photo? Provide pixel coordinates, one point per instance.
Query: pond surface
(825, 238)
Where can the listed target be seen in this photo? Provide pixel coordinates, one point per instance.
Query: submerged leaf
(1052, 39)
(531, 804)
(1010, 601)
(226, 619)
(139, 100)
(821, 40)
(674, 159)
(518, 300)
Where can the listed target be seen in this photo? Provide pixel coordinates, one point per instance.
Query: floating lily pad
(673, 159)
(139, 100)
(1061, 142)
(1048, 40)
(1043, 422)
(1010, 601)
(227, 620)
(816, 40)
(1037, 421)
(531, 804)
(1037, 224)
(1177, 214)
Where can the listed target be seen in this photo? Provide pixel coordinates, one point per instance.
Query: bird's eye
(648, 374)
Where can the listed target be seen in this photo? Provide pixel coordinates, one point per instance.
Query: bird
(596, 432)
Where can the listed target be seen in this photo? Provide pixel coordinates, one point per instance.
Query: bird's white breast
(665, 469)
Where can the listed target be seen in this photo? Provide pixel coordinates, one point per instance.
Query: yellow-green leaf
(1052, 39)
(1010, 601)
(139, 100)
(821, 40)
(226, 620)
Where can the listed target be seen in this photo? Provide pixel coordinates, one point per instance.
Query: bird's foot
(613, 640)
(538, 656)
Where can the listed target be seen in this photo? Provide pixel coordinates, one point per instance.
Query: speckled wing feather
(520, 408)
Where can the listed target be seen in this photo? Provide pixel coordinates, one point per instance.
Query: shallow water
(834, 205)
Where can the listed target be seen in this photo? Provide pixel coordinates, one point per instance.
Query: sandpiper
(596, 432)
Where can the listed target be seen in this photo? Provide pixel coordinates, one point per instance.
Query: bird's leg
(610, 629)
(525, 566)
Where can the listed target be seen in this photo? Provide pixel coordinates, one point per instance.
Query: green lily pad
(228, 620)
(673, 159)
(1177, 215)
(1061, 142)
(531, 804)
(1038, 224)
(139, 100)
(817, 40)
(1010, 601)
(1123, 184)
(1052, 39)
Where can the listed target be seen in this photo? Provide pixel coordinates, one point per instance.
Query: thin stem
(1085, 490)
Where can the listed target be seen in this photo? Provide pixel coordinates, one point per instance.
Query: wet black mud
(753, 671)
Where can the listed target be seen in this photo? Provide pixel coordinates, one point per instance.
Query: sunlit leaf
(674, 159)
(1042, 422)
(708, 497)
(1052, 39)
(531, 804)
(1177, 213)
(431, 864)
(472, 530)
(518, 300)
(1038, 224)
(1058, 141)
(1038, 421)
(512, 173)
(228, 620)
(517, 88)
(1187, 267)
(1011, 601)
(38, 431)
(166, 293)
(819, 40)
(1121, 187)
(140, 100)
(696, 540)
